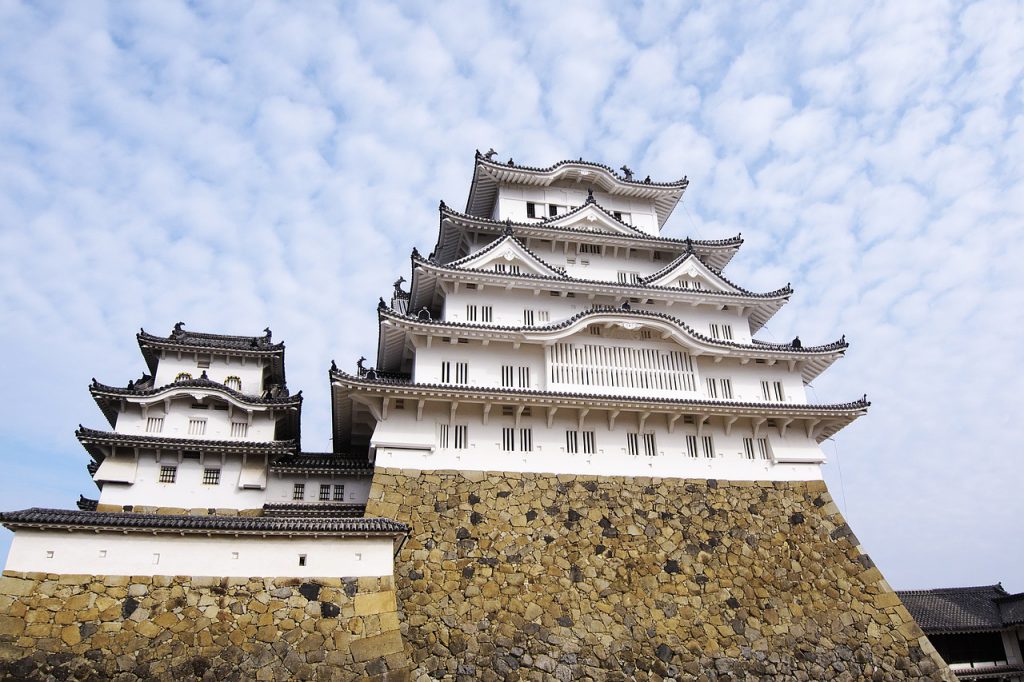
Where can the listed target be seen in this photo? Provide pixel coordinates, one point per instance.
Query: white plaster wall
(508, 307)
(218, 415)
(249, 370)
(485, 362)
(485, 366)
(134, 554)
(188, 490)
(795, 456)
(280, 486)
(512, 201)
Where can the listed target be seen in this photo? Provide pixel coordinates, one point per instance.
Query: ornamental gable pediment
(509, 256)
(592, 218)
(689, 272)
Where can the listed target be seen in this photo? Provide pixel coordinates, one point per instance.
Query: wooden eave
(821, 421)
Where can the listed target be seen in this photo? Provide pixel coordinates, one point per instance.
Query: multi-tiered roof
(486, 249)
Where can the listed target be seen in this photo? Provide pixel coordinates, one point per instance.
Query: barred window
(708, 445)
(299, 491)
(443, 431)
(233, 382)
(772, 390)
(339, 492)
(526, 440)
(168, 474)
(691, 446)
(508, 439)
(183, 376)
(211, 476)
(461, 375)
(721, 331)
(572, 442)
(650, 446)
(461, 436)
(239, 429)
(325, 492)
(589, 443)
(154, 424)
(633, 444)
(196, 427)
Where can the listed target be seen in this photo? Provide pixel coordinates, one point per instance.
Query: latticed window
(691, 446)
(339, 492)
(211, 476)
(650, 446)
(299, 491)
(234, 383)
(461, 436)
(526, 440)
(443, 436)
(154, 424)
(721, 331)
(708, 446)
(168, 474)
(196, 427)
(325, 492)
(633, 444)
(772, 390)
(239, 429)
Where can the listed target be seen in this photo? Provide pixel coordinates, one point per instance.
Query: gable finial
(442, 205)
(647, 180)
(627, 171)
(796, 343)
(334, 365)
(268, 333)
(359, 363)
(507, 231)
(398, 285)
(178, 328)
(590, 196)
(689, 245)
(511, 162)
(490, 154)
(424, 315)
(381, 305)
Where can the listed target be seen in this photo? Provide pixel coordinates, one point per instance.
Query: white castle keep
(552, 329)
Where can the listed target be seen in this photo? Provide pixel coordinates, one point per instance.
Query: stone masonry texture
(121, 628)
(532, 576)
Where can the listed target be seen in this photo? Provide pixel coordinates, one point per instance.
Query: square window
(168, 474)
(211, 476)
(339, 492)
(325, 492)
(299, 491)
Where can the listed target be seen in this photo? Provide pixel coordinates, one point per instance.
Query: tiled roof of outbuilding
(322, 510)
(326, 462)
(956, 609)
(155, 523)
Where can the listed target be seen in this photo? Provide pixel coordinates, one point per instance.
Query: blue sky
(239, 165)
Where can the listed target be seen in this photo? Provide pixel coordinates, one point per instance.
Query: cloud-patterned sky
(237, 165)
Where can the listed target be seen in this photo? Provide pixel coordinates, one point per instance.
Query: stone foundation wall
(531, 576)
(192, 628)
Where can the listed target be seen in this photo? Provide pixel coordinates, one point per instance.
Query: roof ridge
(675, 184)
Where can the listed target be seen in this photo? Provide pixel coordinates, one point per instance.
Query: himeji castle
(572, 458)
(553, 329)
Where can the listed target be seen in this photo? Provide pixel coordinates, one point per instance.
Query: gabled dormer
(508, 255)
(689, 272)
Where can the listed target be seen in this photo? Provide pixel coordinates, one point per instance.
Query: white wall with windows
(196, 481)
(314, 489)
(611, 361)
(516, 307)
(560, 198)
(211, 418)
(627, 446)
(203, 481)
(104, 553)
(244, 374)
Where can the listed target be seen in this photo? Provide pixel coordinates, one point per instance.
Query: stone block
(17, 587)
(378, 646)
(374, 603)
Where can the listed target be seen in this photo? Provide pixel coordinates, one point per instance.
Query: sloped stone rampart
(532, 576)
(167, 628)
